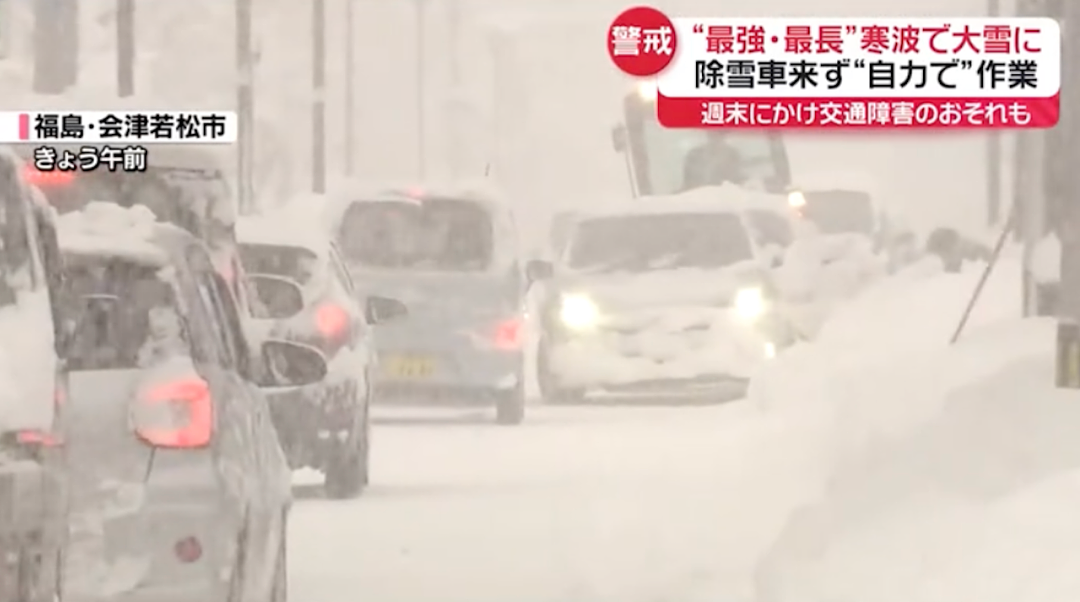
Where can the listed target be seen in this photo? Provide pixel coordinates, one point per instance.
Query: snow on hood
(686, 286)
(27, 364)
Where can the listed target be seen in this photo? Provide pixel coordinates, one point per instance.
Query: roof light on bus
(647, 90)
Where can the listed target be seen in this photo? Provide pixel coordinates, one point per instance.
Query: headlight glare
(750, 303)
(578, 312)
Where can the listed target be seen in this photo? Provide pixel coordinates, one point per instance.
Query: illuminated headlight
(578, 312)
(648, 90)
(750, 304)
(796, 199)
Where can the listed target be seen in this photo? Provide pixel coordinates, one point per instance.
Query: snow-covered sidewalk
(948, 473)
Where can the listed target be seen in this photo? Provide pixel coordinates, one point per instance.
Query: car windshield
(296, 263)
(669, 150)
(644, 243)
(840, 212)
(123, 315)
(436, 234)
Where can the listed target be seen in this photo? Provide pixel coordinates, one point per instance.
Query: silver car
(452, 258)
(180, 490)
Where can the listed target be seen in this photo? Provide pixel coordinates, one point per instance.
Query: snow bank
(939, 472)
(975, 503)
(820, 271)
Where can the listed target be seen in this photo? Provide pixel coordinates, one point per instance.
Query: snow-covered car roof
(107, 229)
(342, 194)
(712, 199)
(283, 229)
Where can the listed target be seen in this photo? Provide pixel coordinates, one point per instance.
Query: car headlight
(796, 199)
(578, 312)
(648, 90)
(750, 303)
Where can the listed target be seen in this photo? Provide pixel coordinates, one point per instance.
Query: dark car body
(180, 490)
(307, 295)
(451, 256)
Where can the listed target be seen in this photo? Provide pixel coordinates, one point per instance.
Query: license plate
(408, 367)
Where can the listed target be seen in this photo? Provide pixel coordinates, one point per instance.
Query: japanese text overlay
(862, 73)
(118, 127)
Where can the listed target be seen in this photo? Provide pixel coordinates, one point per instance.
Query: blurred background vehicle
(307, 295)
(451, 256)
(668, 298)
(184, 185)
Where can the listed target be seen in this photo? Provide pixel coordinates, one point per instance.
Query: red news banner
(844, 73)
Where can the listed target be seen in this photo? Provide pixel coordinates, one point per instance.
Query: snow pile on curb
(975, 503)
(945, 472)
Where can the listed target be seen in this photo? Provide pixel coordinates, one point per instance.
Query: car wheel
(550, 390)
(280, 593)
(510, 406)
(347, 469)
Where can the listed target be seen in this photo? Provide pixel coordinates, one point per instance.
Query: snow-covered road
(605, 503)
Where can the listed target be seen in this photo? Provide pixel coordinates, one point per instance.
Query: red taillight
(45, 438)
(47, 178)
(331, 320)
(508, 334)
(38, 438)
(178, 415)
(188, 550)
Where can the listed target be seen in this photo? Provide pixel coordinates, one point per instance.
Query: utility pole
(125, 48)
(993, 151)
(350, 90)
(245, 108)
(456, 111)
(421, 92)
(1030, 194)
(56, 45)
(1066, 189)
(318, 96)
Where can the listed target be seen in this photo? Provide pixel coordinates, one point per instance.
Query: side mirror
(538, 270)
(618, 138)
(380, 310)
(278, 297)
(289, 364)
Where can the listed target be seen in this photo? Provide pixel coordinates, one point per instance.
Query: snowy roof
(284, 228)
(712, 199)
(103, 228)
(343, 193)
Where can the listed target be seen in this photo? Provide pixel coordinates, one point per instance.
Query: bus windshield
(667, 152)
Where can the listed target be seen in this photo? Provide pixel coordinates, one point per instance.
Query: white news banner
(118, 127)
